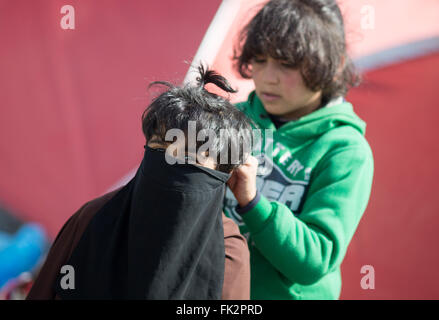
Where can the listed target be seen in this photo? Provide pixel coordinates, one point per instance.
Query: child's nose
(270, 73)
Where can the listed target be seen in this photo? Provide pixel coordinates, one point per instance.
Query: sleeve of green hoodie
(305, 248)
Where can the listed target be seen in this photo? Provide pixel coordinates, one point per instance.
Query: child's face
(282, 89)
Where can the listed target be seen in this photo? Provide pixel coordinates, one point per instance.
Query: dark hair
(174, 108)
(307, 34)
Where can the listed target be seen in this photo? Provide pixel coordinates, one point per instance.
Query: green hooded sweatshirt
(312, 200)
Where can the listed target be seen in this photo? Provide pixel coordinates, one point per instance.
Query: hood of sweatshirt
(336, 113)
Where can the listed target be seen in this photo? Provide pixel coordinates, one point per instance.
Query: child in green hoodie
(300, 215)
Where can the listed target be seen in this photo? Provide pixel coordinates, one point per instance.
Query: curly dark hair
(306, 34)
(174, 108)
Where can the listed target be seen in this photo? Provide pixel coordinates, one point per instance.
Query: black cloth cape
(160, 237)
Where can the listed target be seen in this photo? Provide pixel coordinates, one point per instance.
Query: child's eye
(259, 60)
(287, 65)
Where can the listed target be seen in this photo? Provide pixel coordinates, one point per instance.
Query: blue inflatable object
(21, 252)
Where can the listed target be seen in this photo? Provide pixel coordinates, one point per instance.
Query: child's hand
(243, 181)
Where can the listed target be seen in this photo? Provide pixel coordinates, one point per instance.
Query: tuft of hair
(306, 34)
(176, 106)
(211, 76)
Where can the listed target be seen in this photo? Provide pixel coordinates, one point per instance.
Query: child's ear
(250, 69)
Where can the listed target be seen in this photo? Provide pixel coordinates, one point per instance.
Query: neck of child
(311, 106)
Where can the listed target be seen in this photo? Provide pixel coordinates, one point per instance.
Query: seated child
(162, 235)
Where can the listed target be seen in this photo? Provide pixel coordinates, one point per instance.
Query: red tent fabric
(398, 233)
